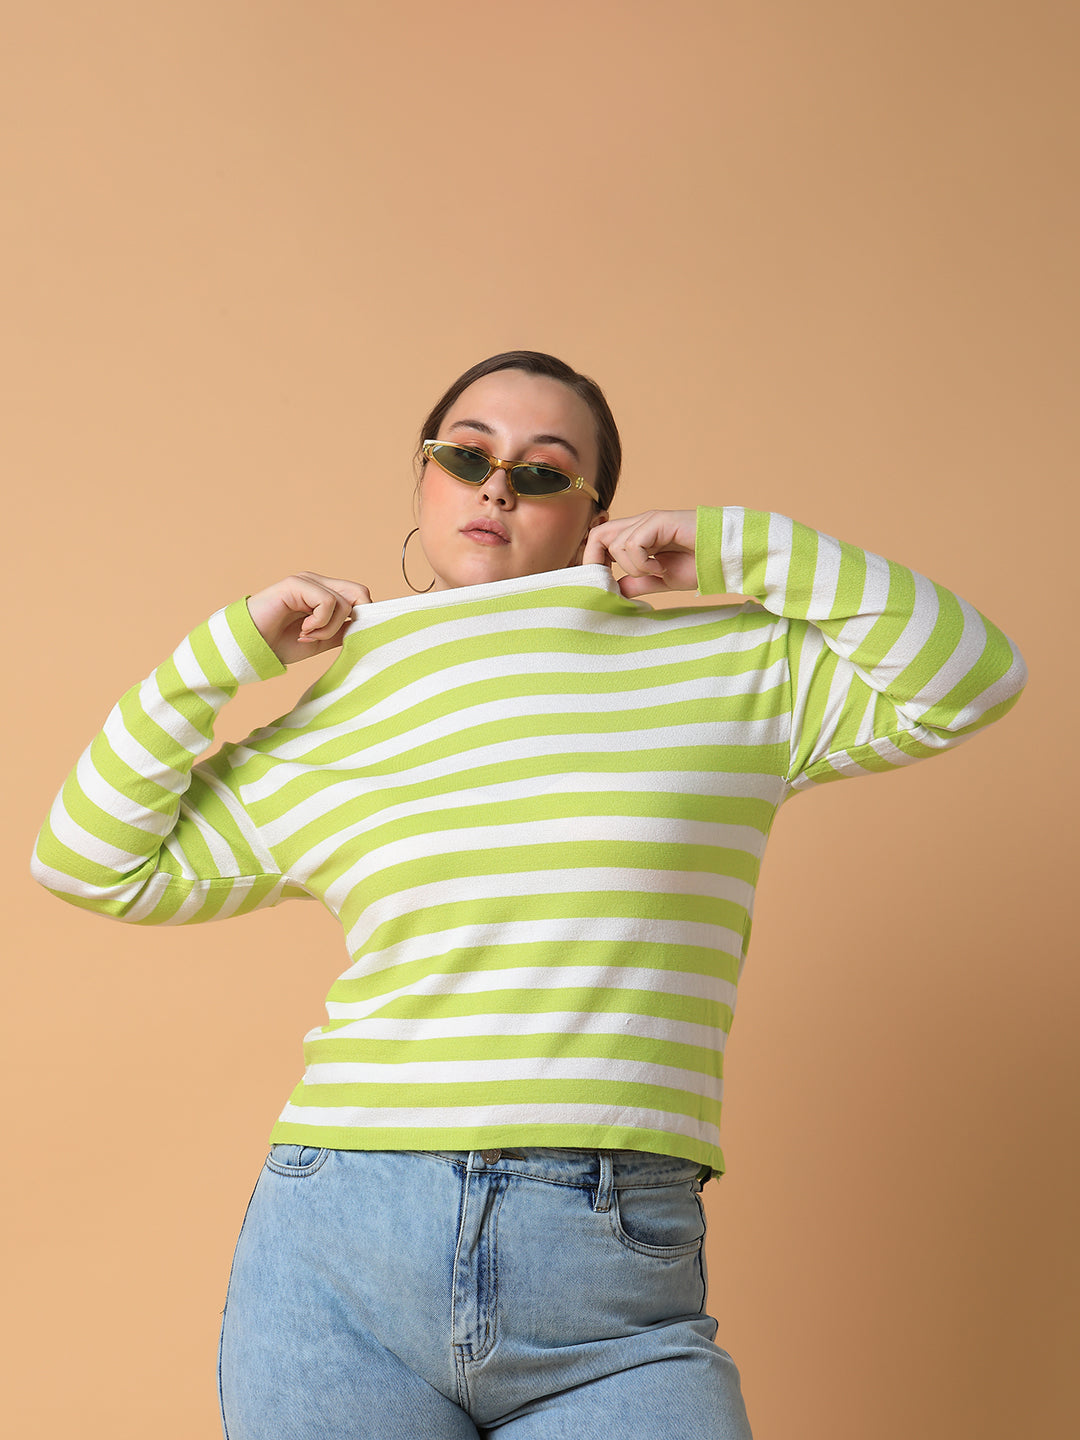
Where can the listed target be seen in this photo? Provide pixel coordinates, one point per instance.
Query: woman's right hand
(305, 613)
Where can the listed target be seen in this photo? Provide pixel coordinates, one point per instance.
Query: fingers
(305, 613)
(622, 542)
(625, 543)
(330, 605)
(655, 548)
(634, 585)
(595, 552)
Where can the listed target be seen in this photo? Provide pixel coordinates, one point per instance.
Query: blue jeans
(442, 1295)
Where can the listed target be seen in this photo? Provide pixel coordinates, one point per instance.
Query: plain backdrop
(822, 259)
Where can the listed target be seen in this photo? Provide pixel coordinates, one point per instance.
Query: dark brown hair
(534, 362)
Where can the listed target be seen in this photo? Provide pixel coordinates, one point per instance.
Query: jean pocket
(296, 1161)
(667, 1221)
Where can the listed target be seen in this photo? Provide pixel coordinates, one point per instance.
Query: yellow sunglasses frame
(577, 482)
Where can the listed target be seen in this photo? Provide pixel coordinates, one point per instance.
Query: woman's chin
(482, 564)
(478, 569)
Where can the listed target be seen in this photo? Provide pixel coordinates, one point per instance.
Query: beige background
(822, 259)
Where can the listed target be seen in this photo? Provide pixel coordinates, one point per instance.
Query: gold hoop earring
(408, 582)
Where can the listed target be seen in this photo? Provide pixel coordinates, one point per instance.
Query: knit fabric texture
(538, 810)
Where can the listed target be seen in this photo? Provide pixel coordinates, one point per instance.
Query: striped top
(538, 810)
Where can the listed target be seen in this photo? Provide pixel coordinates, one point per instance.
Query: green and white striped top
(538, 810)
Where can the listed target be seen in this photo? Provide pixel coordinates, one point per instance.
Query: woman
(538, 809)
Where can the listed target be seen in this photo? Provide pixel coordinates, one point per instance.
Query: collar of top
(588, 577)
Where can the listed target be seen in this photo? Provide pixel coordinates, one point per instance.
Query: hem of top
(341, 1137)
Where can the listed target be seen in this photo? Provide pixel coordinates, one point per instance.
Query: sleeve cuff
(707, 551)
(257, 652)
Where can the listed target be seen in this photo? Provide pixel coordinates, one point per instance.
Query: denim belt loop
(602, 1198)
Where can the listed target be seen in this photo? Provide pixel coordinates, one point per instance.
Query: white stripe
(864, 731)
(778, 561)
(502, 755)
(811, 652)
(550, 1022)
(234, 658)
(965, 657)
(721, 785)
(192, 904)
(888, 750)
(466, 1072)
(498, 622)
(248, 831)
(143, 897)
(62, 883)
(144, 763)
(194, 677)
(884, 746)
(539, 835)
(164, 714)
(100, 792)
(601, 879)
(1010, 683)
(197, 898)
(236, 897)
(826, 576)
(909, 644)
(221, 854)
(872, 606)
(731, 546)
(613, 929)
(501, 708)
(706, 988)
(466, 674)
(445, 1117)
(833, 712)
(70, 833)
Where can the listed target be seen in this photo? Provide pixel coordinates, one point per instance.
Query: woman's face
(514, 416)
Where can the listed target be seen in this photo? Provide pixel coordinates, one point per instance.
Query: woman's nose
(496, 488)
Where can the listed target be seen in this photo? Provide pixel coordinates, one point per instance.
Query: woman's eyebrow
(486, 429)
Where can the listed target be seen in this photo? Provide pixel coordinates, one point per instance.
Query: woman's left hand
(655, 549)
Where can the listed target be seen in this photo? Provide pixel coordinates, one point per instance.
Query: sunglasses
(473, 467)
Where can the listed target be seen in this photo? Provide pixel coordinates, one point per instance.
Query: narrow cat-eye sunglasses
(472, 467)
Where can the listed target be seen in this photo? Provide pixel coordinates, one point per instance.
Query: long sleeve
(138, 832)
(886, 667)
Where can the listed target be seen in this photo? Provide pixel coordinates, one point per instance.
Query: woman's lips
(486, 536)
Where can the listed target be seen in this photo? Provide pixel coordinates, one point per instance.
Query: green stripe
(487, 651)
(606, 1001)
(103, 826)
(194, 709)
(255, 649)
(761, 761)
(579, 807)
(138, 788)
(539, 954)
(152, 736)
(624, 1093)
(547, 1045)
(659, 857)
(642, 905)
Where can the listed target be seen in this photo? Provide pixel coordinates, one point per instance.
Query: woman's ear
(598, 519)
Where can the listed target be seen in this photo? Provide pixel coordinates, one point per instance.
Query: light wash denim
(437, 1295)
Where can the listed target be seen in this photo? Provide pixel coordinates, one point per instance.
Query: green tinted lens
(540, 480)
(463, 464)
